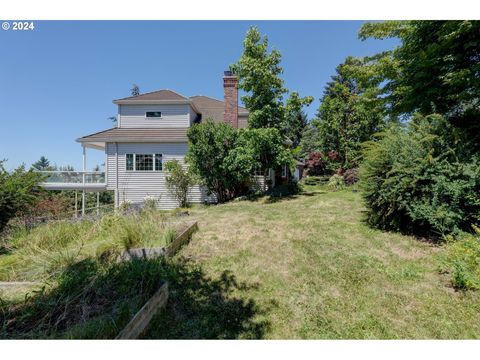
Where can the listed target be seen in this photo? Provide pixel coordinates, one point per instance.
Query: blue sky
(58, 81)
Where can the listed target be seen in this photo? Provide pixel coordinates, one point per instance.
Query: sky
(57, 82)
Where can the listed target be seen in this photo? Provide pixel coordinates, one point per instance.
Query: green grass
(43, 252)
(308, 267)
(302, 266)
(82, 291)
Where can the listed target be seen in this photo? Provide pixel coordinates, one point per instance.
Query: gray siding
(133, 116)
(134, 186)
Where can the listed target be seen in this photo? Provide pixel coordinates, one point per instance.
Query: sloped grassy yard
(307, 267)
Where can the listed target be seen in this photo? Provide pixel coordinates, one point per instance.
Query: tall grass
(43, 251)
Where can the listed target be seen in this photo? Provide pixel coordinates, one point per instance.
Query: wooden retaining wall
(158, 301)
(142, 318)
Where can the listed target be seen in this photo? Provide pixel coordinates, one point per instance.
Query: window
(129, 161)
(158, 162)
(153, 114)
(284, 171)
(144, 162)
(258, 171)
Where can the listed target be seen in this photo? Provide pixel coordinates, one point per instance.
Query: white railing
(73, 177)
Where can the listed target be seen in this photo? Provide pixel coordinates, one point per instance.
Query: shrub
(150, 203)
(210, 144)
(17, 192)
(316, 164)
(421, 180)
(179, 180)
(351, 176)
(336, 182)
(462, 261)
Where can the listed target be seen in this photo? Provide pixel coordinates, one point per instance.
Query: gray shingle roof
(161, 95)
(137, 135)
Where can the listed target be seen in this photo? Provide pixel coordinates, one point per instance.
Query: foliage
(349, 114)
(42, 164)
(179, 180)
(224, 158)
(295, 118)
(413, 180)
(135, 90)
(259, 76)
(336, 182)
(18, 192)
(150, 203)
(258, 149)
(435, 70)
(462, 261)
(259, 73)
(316, 164)
(210, 144)
(351, 176)
(310, 142)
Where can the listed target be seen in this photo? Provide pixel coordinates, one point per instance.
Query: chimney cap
(227, 73)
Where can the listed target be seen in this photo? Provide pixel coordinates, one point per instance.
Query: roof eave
(150, 102)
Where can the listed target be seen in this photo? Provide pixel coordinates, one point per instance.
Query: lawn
(308, 267)
(304, 266)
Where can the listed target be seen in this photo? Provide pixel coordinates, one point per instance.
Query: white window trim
(135, 163)
(284, 171)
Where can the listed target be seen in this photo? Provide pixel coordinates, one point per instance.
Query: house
(152, 129)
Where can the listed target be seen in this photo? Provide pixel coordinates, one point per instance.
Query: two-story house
(152, 129)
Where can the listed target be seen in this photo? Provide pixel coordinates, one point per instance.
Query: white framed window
(153, 114)
(258, 171)
(284, 171)
(143, 162)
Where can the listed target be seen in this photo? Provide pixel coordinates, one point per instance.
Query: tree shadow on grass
(95, 299)
(203, 308)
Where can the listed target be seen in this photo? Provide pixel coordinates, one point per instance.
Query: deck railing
(73, 177)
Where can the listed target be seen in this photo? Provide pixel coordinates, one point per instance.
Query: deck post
(84, 158)
(98, 203)
(76, 203)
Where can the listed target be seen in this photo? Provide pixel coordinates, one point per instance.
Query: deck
(89, 181)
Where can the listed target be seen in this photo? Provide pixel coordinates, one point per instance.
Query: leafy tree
(258, 149)
(295, 118)
(259, 73)
(17, 192)
(42, 164)
(259, 76)
(179, 180)
(349, 114)
(135, 90)
(435, 70)
(426, 178)
(210, 144)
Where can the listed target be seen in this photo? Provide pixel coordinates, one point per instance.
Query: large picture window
(144, 162)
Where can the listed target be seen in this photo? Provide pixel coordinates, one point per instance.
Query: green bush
(462, 261)
(179, 180)
(420, 179)
(336, 182)
(18, 191)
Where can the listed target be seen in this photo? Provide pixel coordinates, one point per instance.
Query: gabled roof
(211, 108)
(169, 135)
(154, 96)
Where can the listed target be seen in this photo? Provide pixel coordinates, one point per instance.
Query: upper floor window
(153, 114)
(144, 162)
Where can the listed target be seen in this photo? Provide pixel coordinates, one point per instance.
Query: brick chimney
(230, 97)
